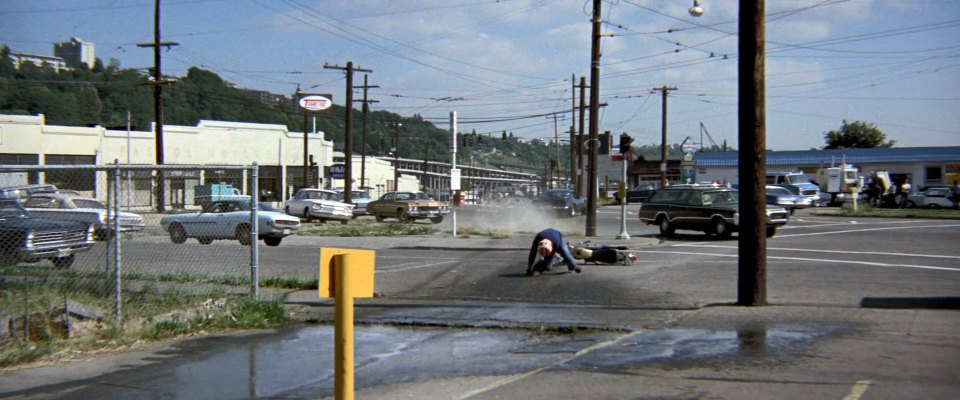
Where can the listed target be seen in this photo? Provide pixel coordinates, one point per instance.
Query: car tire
(436, 220)
(404, 217)
(378, 217)
(345, 221)
(306, 215)
(63, 262)
(771, 230)
(177, 234)
(242, 234)
(272, 241)
(205, 240)
(719, 228)
(665, 229)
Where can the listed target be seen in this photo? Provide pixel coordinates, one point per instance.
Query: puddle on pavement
(298, 363)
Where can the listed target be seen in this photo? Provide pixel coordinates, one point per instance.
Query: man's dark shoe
(575, 269)
(529, 273)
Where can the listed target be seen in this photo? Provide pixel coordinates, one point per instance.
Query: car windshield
(724, 197)
(88, 203)
(359, 195)
(794, 179)
(778, 191)
(12, 209)
(423, 196)
(263, 207)
(556, 194)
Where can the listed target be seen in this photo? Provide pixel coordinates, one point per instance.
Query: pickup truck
(24, 238)
(69, 207)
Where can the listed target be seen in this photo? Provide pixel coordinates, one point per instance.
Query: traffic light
(625, 142)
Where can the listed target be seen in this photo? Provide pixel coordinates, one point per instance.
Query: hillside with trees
(103, 95)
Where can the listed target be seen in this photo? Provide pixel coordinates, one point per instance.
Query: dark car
(638, 194)
(561, 201)
(709, 209)
(27, 239)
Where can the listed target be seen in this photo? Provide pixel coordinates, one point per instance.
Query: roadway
(860, 308)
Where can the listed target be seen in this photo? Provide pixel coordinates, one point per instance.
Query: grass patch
(240, 314)
(467, 231)
(366, 227)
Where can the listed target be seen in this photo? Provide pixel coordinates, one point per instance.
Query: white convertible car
(230, 219)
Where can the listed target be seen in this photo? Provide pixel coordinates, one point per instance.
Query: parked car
(636, 195)
(24, 238)
(71, 207)
(933, 197)
(24, 192)
(408, 207)
(783, 197)
(319, 204)
(561, 201)
(230, 219)
(709, 209)
(360, 199)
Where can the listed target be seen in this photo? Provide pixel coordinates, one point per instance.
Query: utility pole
(396, 155)
(556, 143)
(583, 112)
(158, 98)
(306, 144)
(591, 228)
(347, 129)
(663, 135)
(574, 162)
(752, 243)
(363, 140)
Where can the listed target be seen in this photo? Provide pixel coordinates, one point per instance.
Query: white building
(28, 140)
(75, 52)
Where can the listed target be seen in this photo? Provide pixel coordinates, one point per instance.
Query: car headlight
(413, 208)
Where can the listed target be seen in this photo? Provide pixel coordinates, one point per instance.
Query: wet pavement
(297, 362)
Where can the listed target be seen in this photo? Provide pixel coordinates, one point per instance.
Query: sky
(508, 65)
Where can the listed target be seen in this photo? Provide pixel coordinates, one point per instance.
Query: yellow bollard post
(345, 274)
(343, 329)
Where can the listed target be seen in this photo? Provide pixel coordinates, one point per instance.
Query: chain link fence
(93, 243)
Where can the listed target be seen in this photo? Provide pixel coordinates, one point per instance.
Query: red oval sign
(315, 103)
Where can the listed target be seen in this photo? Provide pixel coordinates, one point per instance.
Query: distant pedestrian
(905, 189)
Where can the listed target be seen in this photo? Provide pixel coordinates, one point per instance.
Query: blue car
(561, 201)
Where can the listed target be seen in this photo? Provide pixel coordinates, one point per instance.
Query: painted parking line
(885, 228)
(857, 390)
(820, 260)
(878, 253)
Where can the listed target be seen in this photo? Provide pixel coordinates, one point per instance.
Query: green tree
(856, 135)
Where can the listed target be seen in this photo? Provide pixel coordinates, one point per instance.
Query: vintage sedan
(638, 194)
(407, 207)
(360, 199)
(71, 207)
(709, 209)
(230, 219)
(319, 204)
(933, 197)
(561, 201)
(25, 238)
(783, 197)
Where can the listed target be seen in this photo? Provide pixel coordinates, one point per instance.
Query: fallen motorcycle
(603, 254)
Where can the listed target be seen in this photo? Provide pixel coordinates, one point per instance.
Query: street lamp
(696, 10)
